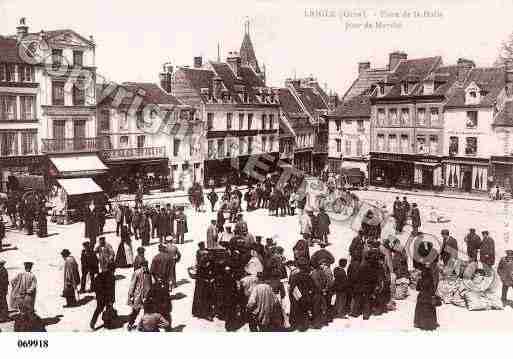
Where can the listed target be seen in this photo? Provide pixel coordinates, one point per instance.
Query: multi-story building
(349, 130)
(240, 113)
(48, 104)
(304, 105)
(158, 138)
(407, 121)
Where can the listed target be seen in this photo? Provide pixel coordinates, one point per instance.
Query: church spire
(247, 52)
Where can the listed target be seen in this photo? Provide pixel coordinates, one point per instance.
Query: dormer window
(428, 87)
(473, 94)
(381, 89)
(404, 88)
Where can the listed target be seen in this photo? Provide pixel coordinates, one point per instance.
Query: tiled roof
(364, 81)
(505, 116)
(414, 70)
(247, 53)
(9, 51)
(289, 104)
(202, 78)
(310, 98)
(489, 79)
(153, 93)
(358, 106)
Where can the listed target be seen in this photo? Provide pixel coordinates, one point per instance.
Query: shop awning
(78, 165)
(428, 164)
(77, 186)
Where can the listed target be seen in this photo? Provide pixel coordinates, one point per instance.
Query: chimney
(21, 30)
(394, 58)
(165, 77)
(293, 82)
(234, 62)
(198, 62)
(464, 66)
(363, 66)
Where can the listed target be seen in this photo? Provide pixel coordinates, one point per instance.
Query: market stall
(70, 195)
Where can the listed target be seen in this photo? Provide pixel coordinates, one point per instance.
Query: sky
(323, 38)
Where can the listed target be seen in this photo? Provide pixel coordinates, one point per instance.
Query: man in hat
(140, 287)
(264, 307)
(301, 288)
(181, 226)
(305, 226)
(175, 255)
(323, 225)
(212, 234)
(162, 266)
(505, 272)
(415, 218)
(487, 250)
(4, 286)
(89, 263)
(71, 278)
(473, 242)
(154, 215)
(449, 249)
(106, 255)
(23, 288)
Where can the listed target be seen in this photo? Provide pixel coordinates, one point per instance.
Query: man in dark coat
(91, 225)
(366, 285)
(473, 242)
(220, 220)
(154, 215)
(212, 198)
(449, 249)
(487, 251)
(4, 286)
(89, 264)
(415, 218)
(323, 226)
(356, 253)
(396, 208)
(104, 287)
(163, 225)
(2, 232)
(301, 288)
(162, 266)
(181, 226)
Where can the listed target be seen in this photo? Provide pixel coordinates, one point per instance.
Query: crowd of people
(242, 278)
(26, 212)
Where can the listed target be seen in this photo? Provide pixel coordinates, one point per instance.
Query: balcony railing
(320, 148)
(134, 153)
(72, 145)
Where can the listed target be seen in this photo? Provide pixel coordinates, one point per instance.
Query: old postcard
(264, 166)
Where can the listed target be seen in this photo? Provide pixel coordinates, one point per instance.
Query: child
(340, 288)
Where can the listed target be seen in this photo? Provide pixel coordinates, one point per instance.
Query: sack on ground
(475, 301)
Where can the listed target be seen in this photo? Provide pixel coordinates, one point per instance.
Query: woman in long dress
(124, 254)
(425, 310)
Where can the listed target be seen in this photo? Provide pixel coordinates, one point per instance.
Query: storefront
(406, 171)
(154, 171)
(13, 167)
(303, 160)
(502, 172)
(467, 174)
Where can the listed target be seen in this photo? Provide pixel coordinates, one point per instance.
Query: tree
(506, 51)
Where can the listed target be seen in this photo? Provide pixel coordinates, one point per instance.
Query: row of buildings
(413, 123)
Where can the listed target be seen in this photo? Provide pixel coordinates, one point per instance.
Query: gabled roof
(9, 51)
(489, 79)
(311, 98)
(203, 78)
(505, 116)
(414, 70)
(358, 106)
(153, 94)
(247, 53)
(290, 105)
(364, 81)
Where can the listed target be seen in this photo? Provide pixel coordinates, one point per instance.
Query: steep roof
(153, 94)
(311, 98)
(364, 81)
(505, 116)
(414, 70)
(9, 51)
(289, 104)
(489, 79)
(247, 53)
(358, 106)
